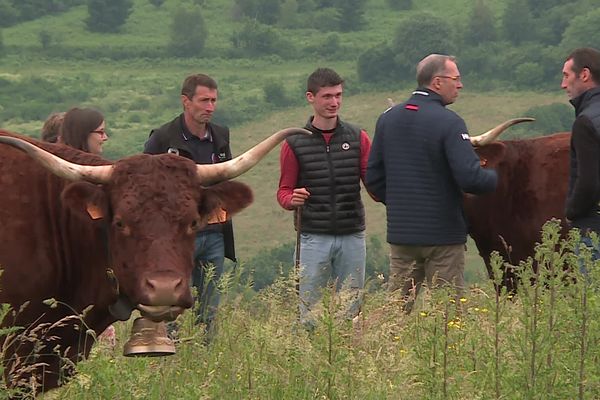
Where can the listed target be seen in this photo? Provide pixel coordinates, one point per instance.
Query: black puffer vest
(331, 173)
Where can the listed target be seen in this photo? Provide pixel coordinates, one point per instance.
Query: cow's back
(532, 187)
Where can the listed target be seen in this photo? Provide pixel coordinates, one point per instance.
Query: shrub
(551, 118)
(481, 26)
(275, 94)
(417, 36)
(377, 65)
(257, 39)
(45, 38)
(351, 15)
(108, 15)
(326, 19)
(528, 74)
(188, 32)
(265, 11)
(399, 4)
(582, 31)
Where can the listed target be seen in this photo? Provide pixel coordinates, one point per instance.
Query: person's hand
(299, 196)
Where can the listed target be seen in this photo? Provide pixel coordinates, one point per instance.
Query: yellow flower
(463, 300)
(423, 314)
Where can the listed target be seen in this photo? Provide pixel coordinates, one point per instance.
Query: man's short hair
(322, 77)
(586, 57)
(431, 66)
(190, 84)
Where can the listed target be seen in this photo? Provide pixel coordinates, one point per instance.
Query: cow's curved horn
(491, 135)
(214, 173)
(63, 168)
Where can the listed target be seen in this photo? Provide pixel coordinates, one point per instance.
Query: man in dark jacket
(581, 80)
(420, 164)
(192, 135)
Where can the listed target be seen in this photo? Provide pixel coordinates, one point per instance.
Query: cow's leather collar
(122, 308)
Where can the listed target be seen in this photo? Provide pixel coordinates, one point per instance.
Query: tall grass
(540, 344)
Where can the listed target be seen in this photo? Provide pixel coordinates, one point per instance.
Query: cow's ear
(86, 200)
(491, 154)
(229, 195)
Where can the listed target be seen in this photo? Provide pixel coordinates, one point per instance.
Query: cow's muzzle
(160, 313)
(166, 290)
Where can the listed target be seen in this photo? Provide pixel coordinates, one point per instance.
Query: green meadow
(541, 345)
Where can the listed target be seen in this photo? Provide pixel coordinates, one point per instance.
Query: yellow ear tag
(94, 211)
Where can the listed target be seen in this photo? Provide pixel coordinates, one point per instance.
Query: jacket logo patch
(465, 136)
(412, 107)
(345, 146)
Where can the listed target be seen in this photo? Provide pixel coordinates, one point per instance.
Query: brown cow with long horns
(81, 236)
(532, 188)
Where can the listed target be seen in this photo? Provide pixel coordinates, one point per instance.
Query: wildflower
(423, 314)
(455, 323)
(52, 302)
(463, 300)
(484, 310)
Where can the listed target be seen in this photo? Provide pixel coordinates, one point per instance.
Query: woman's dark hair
(77, 125)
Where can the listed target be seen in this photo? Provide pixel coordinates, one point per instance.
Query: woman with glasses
(84, 129)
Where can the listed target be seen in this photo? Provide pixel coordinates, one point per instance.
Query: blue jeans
(326, 259)
(587, 241)
(209, 253)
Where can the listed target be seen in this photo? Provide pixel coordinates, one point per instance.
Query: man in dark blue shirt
(420, 164)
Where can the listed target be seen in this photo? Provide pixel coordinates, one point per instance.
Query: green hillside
(54, 62)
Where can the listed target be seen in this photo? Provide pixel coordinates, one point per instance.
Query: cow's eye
(119, 224)
(194, 225)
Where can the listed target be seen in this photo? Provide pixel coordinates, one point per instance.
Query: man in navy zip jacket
(420, 164)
